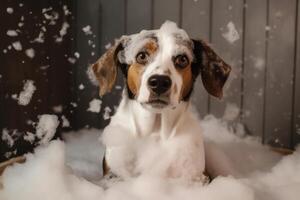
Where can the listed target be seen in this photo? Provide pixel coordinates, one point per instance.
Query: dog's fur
(142, 113)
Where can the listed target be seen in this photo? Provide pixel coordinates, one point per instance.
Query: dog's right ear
(104, 71)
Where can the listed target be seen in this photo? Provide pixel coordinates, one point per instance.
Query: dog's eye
(181, 61)
(142, 57)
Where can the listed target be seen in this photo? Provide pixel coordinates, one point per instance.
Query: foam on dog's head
(139, 39)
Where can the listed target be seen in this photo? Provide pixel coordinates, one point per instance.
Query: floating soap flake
(17, 45)
(231, 35)
(46, 128)
(107, 111)
(30, 53)
(95, 106)
(87, 30)
(81, 87)
(63, 31)
(12, 33)
(65, 121)
(9, 10)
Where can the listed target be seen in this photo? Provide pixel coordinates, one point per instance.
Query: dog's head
(161, 66)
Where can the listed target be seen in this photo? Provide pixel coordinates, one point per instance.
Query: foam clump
(45, 176)
(26, 95)
(84, 153)
(229, 150)
(243, 169)
(46, 127)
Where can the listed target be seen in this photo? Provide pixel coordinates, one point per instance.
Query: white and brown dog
(160, 68)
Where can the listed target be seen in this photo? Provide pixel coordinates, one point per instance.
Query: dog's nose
(159, 84)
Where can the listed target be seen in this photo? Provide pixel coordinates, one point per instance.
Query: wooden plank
(280, 64)
(107, 22)
(59, 76)
(53, 85)
(165, 10)
(196, 21)
(87, 14)
(10, 162)
(138, 15)
(296, 114)
(224, 14)
(112, 21)
(254, 66)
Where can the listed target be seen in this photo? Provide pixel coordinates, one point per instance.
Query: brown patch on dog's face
(151, 47)
(135, 73)
(187, 80)
(136, 70)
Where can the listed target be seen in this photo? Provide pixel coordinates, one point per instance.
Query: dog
(160, 68)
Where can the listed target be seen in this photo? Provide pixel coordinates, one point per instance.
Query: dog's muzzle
(159, 87)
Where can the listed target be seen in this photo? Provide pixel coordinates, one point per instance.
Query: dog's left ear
(214, 71)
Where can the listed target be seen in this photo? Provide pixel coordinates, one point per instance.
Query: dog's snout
(159, 84)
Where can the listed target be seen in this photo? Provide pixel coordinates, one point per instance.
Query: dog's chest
(146, 139)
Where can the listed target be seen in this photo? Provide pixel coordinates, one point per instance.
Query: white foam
(17, 45)
(40, 38)
(260, 177)
(95, 106)
(44, 176)
(231, 112)
(30, 52)
(87, 30)
(63, 31)
(12, 33)
(27, 93)
(231, 34)
(46, 127)
(29, 137)
(57, 109)
(9, 10)
(107, 112)
(6, 137)
(65, 121)
(81, 87)
(72, 60)
(46, 171)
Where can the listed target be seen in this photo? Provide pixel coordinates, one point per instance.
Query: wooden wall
(49, 69)
(264, 83)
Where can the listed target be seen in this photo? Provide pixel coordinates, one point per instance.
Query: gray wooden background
(265, 82)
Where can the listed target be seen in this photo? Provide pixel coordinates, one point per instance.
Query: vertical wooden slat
(87, 14)
(112, 21)
(296, 120)
(254, 65)
(138, 15)
(165, 10)
(224, 12)
(280, 63)
(53, 85)
(59, 76)
(195, 20)
(107, 22)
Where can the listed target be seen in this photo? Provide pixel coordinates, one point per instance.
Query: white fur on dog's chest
(139, 141)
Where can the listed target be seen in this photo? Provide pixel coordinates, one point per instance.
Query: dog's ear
(105, 69)
(214, 71)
